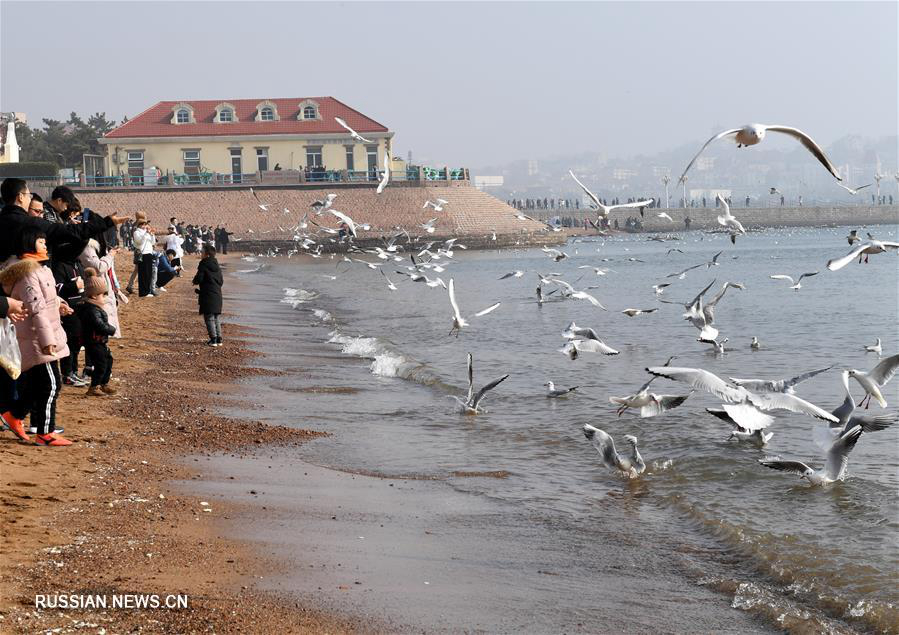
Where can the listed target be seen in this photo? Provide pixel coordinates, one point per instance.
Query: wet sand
(101, 517)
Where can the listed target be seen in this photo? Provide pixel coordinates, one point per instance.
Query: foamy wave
(296, 297)
(386, 360)
(323, 315)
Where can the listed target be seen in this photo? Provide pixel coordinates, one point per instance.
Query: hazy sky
(474, 83)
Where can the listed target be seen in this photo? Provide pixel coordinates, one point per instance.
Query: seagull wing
(798, 379)
(452, 296)
(386, 176)
(594, 346)
(871, 423)
(346, 219)
(483, 391)
(794, 467)
(838, 263)
(490, 308)
(701, 293)
(470, 379)
(838, 454)
(756, 385)
(583, 295)
(884, 371)
(721, 413)
(634, 204)
(586, 191)
(748, 416)
(810, 145)
(605, 446)
(355, 134)
(661, 403)
(781, 276)
(785, 401)
(720, 135)
(808, 275)
(701, 380)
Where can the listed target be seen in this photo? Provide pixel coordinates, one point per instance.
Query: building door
(236, 167)
(372, 153)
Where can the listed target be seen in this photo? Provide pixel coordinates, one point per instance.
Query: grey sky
(474, 83)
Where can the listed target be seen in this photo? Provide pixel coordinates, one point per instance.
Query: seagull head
(589, 431)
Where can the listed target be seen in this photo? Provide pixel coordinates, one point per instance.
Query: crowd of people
(60, 292)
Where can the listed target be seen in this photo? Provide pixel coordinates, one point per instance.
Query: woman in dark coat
(209, 278)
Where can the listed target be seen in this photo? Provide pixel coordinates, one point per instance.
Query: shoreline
(104, 516)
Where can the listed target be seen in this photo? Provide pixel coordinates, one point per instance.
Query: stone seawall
(753, 217)
(467, 213)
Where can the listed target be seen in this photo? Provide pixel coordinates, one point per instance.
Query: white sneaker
(163, 289)
(33, 430)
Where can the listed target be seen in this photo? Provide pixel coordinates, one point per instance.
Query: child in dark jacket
(209, 277)
(95, 332)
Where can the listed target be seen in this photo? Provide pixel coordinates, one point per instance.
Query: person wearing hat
(95, 332)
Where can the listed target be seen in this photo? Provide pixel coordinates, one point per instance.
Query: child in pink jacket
(42, 340)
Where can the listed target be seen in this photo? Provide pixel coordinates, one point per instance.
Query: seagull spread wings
(386, 176)
(701, 380)
(810, 145)
(352, 132)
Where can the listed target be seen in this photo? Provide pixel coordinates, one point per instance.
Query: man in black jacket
(13, 219)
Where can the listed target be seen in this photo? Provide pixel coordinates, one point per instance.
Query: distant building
(482, 182)
(533, 168)
(705, 163)
(244, 136)
(623, 174)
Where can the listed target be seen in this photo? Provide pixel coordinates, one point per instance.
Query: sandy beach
(102, 517)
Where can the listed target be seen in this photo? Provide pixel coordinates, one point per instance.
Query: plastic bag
(10, 355)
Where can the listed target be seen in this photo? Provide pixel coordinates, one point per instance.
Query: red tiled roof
(156, 121)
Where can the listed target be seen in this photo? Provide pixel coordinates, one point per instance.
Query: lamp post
(683, 180)
(666, 180)
(877, 177)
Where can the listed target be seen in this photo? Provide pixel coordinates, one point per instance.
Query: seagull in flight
(836, 460)
(430, 226)
(512, 274)
(863, 250)
(386, 176)
(350, 222)
(636, 312)
(458, 321)
(437, 205)
(650, 404)
(555, 254)
(263, 206)
(605, 209)
(472, 403)
(873, 380)
(751, 134)
(355, 135)
(665, 215)
(730, 222)
(777, 385)
(795, 284)
(739, 432)
(852, 237)
(319, 207)
(630, 466)
(856, 190)
(584, 340)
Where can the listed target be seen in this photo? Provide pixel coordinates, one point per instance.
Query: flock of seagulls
(747, 406)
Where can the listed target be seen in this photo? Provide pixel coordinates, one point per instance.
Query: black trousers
(38, 390)
(224, 246)
(145, 274)
(101, 358)
(72, 326)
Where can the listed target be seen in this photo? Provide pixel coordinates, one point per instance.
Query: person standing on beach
(95, 332)
(42, 340)
(173, 242)
(210, 280)
(144, 242)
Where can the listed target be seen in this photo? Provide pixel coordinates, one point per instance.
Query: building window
(226, 115)
(313, 156)
(136, 167)
(371, 153)
(262, 159)
(182, 116)
(267, 114)
(191, 161)
(309, 112)
(350, 163)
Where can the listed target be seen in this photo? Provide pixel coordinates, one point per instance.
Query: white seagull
(472, 403)
(552, 392)
(430, 226)
(753, 133)
(852, 237)
(386, 176)
(739, 432)
(458, 321)
(584, 340)
(437, 205)
(863, 250)
(605, 209)
(729, 221)
(650, 404)
(353, 133)
(777, 385)
(512, 274)
(837, 459)
(319, 207)
(854, 191)
(665, 215)
(631, 466)
(350, 222)
(636, 312)
(875, 348)
(875, 379)
(754, 344)
(794, 284)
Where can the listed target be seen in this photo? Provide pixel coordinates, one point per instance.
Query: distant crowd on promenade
(552, 204)
(60, 294)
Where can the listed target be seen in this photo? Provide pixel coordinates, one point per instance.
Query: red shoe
(51, 439)
(16, 426)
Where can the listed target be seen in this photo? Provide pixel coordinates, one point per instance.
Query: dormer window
(308, 111)
(267, 111)
(225, 113)
(182, 113)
